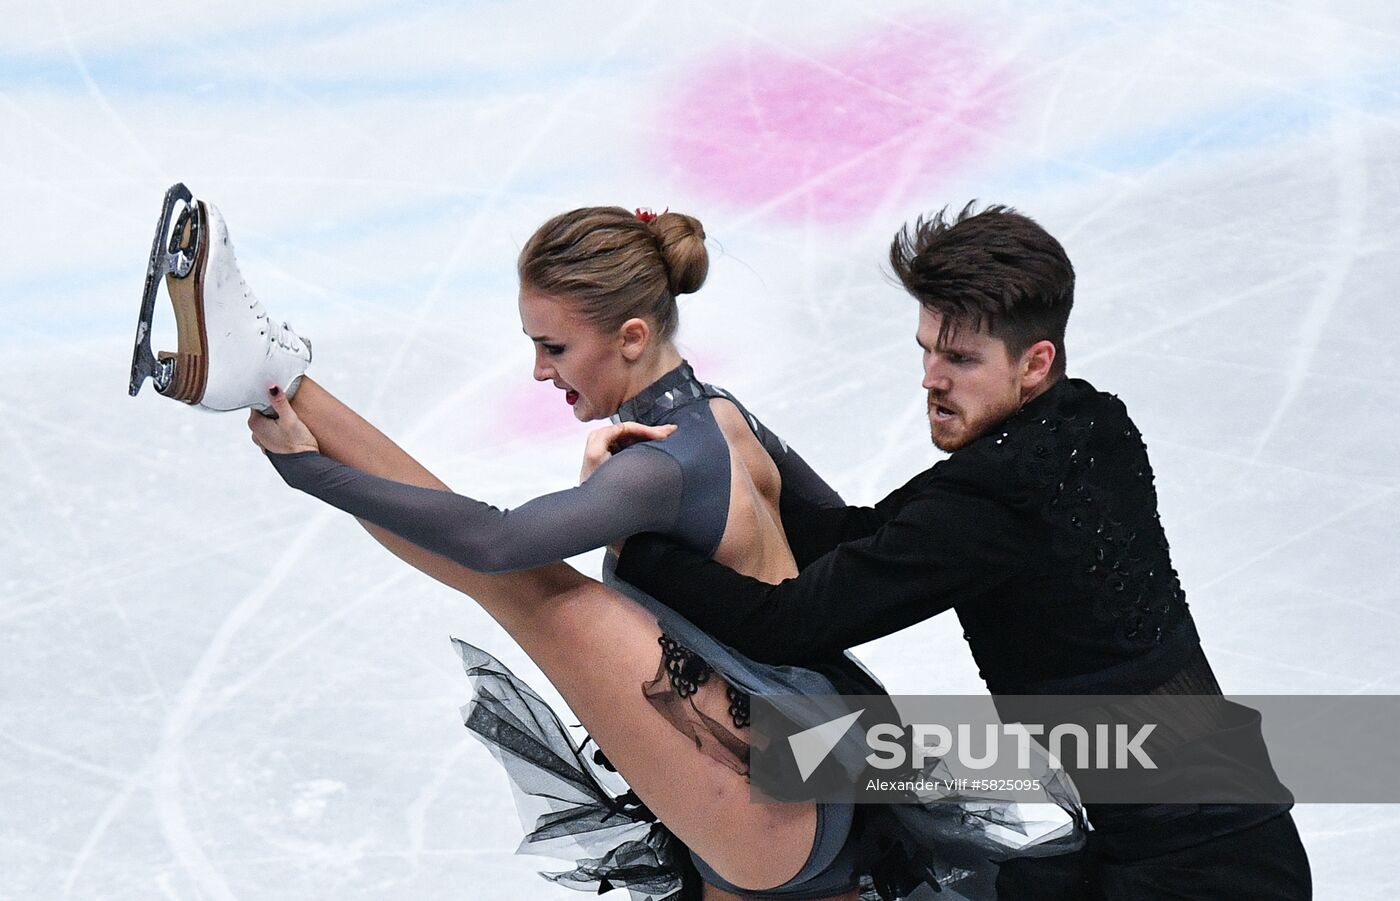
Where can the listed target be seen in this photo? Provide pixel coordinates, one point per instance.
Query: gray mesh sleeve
(638, 490)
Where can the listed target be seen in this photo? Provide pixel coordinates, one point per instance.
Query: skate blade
(178, 252)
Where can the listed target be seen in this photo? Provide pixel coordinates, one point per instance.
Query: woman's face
(588, 366)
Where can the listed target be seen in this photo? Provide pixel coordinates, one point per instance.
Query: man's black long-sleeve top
(1042, 535)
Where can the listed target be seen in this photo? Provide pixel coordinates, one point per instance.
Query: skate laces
(283, 335)
(286, 337)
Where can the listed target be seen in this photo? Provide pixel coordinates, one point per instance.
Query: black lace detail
(1089, 476)
(686, 669)
(738, 706)
(599, 757)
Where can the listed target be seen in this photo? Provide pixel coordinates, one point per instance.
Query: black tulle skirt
(574, 807)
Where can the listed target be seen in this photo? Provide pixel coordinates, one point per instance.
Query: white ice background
(212, 687)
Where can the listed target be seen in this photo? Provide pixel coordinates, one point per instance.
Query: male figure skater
(1040, 531)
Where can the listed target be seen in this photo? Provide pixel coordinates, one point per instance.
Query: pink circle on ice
(833, 134)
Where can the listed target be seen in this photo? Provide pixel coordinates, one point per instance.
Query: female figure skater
(597, 298)
(598, 289)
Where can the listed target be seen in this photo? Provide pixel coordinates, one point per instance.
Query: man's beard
(969, 429)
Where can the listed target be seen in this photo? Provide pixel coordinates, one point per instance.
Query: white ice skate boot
(228, 351)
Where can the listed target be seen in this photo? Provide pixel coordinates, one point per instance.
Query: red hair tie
(648, 215)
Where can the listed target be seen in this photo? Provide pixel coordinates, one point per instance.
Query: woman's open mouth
(570, 397)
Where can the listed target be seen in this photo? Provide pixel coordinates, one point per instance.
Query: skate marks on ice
(526, 155)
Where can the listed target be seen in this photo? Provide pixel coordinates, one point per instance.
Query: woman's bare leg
(597, 647)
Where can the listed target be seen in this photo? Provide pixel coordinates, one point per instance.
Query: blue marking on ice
(1307, 109)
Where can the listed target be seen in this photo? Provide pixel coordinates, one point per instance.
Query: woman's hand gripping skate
(603, 443)
(285, 434)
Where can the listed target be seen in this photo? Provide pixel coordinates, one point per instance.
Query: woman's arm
(635, 491)
(344, 435)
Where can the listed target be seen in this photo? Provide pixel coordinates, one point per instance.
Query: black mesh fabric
(566, 810)
(614, 841)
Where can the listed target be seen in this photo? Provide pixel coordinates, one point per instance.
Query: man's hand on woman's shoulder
(610, 439)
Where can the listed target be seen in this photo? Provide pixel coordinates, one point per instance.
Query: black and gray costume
(678, 487)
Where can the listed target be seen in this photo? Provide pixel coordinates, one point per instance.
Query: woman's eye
(553, 350)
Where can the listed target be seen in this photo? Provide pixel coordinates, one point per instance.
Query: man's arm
(942, 548)
(815, 518)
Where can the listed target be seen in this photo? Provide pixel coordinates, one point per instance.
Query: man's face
(972, 383)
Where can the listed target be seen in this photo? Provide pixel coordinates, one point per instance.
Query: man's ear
(1036, 364)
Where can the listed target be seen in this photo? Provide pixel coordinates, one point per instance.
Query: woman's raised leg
(597, 647)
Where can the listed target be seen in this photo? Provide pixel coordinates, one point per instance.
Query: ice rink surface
(211, 687)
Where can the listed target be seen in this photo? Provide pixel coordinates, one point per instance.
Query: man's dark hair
(996, 270)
